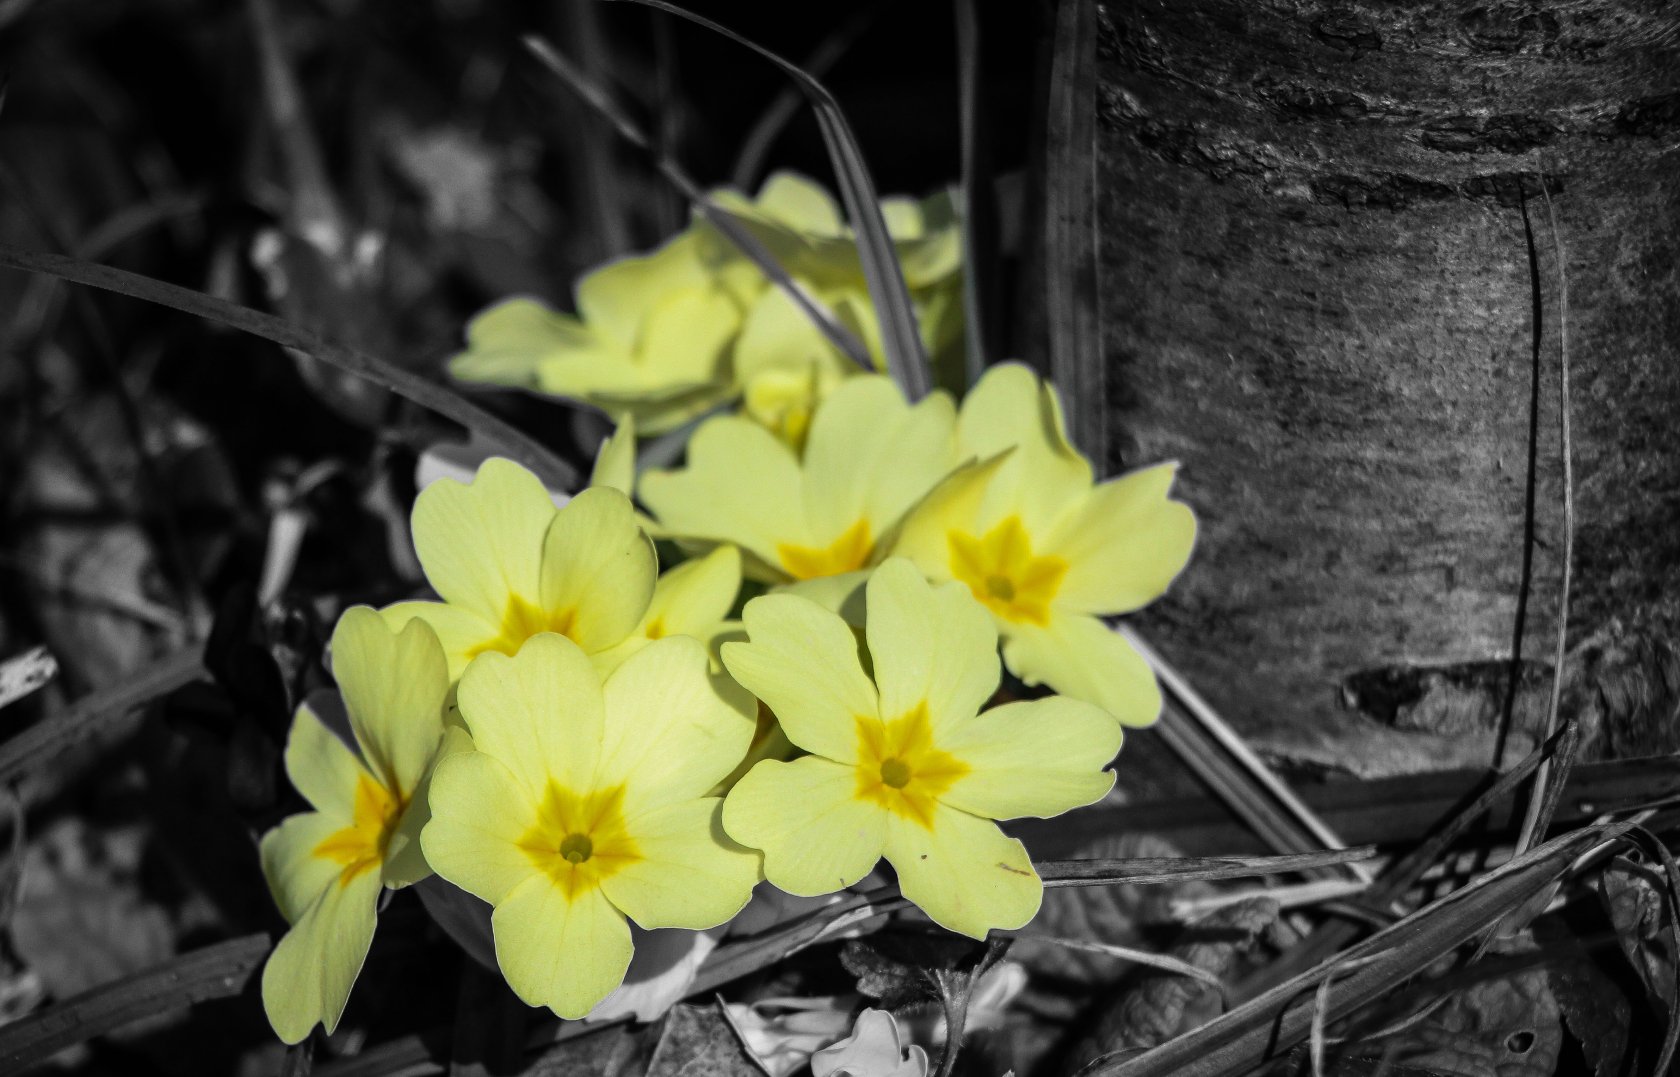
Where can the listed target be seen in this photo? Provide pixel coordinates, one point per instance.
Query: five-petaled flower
(508, 565)
(904, 765)
(651, 339)
(326, 867)
(1045, 550)
(869, 457)
(585, 803)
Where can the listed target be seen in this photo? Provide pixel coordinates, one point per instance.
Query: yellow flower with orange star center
(326, 867)
(869, 456)
(903, 764)
(1048, 551)
(509, 565)
(585, 802)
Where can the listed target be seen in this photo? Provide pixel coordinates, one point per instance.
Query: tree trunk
(1329, 289)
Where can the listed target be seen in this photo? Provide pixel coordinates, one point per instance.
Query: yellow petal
(296, 876)
(480, 814)
(508, 343)
(930, 646)
(1079, 656)
(686, 337)
(964, 872)
(692, 598)
(802, 661)
(539, 713)
(322, 767)
(482, 544)
(615, 464)
(955, 504)
(1010, 408)
(1124, 544)
(690, 873)
(394, 686)
(741, 485)
(566, 954)
(1040, 758)
(598, 568)
(614, 299)
(800, 203)
(816, 835)
(462, 633)
(849, 449)
(309, 975)
(669, 735)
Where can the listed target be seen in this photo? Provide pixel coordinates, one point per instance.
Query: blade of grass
(218, 971)
(596, 175)
(25, 673)
(1070, 229)
(900, 340)
(506, 438)
(50, 736)
(593, 95)
(1544, 797)
(755, 148)
(979, 202)
(1268, 1026)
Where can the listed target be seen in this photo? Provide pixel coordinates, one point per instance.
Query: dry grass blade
(1544, 798)
(1151, 870)
(981, 260)
(40, 742)
(900, 340)
(504, 437)
(214, 972)
(1164, 962)
(25, 673)
(755, 148)
(1403, 873)
(1216, 754)
(1070, 228)
(1271, 1024)
(748, 244)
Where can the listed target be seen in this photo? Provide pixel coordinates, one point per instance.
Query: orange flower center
(999, 567)
(360, 847)
(901, 769)
(848, 552)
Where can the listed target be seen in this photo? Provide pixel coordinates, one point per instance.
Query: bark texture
(1318, 294)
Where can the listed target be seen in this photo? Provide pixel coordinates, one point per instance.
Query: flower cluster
(665, 336)
(586, 744)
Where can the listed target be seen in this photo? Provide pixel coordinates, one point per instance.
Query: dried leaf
(1509, 1026)
(1161, 1005)
(1633, 896)
(698, 1042)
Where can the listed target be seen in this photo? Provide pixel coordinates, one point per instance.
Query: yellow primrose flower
(903, 765)
(784, 365)
(509, 565)
(651, 340)
(585, 803)
(870, 456)
(1048, 552)
(326, 867)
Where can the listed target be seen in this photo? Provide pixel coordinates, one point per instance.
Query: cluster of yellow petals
(610, 762)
